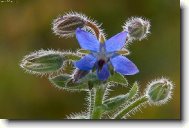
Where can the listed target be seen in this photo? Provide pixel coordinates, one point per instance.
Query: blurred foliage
(25, 26)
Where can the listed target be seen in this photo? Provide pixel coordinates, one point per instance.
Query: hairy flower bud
(137, 28)
(42, 62)
(66, 25)
(159, 91)
(78, 74)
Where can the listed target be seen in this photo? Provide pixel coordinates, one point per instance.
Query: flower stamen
(100, 64)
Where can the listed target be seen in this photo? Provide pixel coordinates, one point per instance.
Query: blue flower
(103, 55)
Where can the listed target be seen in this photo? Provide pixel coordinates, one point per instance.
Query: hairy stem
(97, 31)
(98, 98)
(92, 92)
(129, 108)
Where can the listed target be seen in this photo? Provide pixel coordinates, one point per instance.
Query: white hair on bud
(144, 23)
(45, 52)
(83, 18)
(164, 81)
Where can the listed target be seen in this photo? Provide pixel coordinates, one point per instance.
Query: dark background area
(25, 26)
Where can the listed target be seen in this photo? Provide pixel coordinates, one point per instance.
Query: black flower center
(100, 64)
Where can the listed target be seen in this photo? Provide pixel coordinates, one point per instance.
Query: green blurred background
(25, 26)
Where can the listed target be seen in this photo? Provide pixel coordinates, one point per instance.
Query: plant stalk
(98, 98)
(91, 94)
(97, 31)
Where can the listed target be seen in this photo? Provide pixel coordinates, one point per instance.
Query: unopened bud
(66, 25)
(137, 28)
(42, 61)
(159, 91)
(78, 74)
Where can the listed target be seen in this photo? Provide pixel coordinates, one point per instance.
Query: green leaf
(65, 81)
(123, 51)
(61, 80)
(90, 77)
(83, 51)
(118, 78)
(71, 85)
(137, 102)
(133, 91)
(133, 106)
(115, 102)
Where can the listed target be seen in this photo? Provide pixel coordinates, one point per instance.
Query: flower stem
(95, 28)
(97, 31)
(98, 98)
(130, 107)
(91, 93)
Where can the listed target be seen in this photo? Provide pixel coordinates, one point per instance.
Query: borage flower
(103, 55)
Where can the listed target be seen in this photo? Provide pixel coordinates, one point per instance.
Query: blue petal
(116, 42)
(87, 40)
(86, 63)
(123, 65)
(104, 73)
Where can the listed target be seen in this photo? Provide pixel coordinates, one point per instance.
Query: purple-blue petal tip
(87, 40)
(124, 66)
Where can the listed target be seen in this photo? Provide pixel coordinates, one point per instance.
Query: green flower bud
(137, 28)
(159, 91)
(42, 62)
(66, 25)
